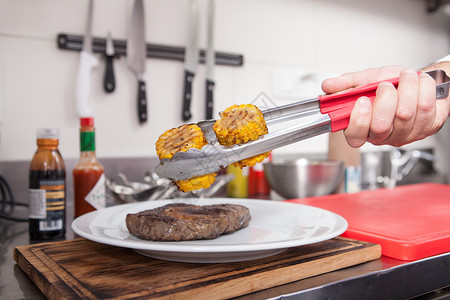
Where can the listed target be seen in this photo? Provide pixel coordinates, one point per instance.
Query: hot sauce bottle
(47, 188)
(258, 186)
(88, 174)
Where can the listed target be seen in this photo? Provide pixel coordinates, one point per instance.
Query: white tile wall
(37, 79)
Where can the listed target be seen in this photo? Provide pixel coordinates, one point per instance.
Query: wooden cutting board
(80, 268)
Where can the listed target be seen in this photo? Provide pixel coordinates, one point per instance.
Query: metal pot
(302, 178)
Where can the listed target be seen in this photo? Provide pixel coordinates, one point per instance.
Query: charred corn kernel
(251, 161)
(196, 183)
(181, 139)
(238, 125)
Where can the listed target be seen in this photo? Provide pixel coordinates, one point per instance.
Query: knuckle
(426, 107)
(408, 72)
(404, 114)
(380, 127)
(426, 78)
(386, 89)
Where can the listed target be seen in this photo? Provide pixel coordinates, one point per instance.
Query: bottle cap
(47, 133)
(89, 122)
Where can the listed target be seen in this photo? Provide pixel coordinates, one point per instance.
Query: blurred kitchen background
(288, 46)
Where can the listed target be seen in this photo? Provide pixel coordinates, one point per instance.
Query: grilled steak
(183, 222)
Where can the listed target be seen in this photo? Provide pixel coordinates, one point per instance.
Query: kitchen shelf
(75, 43)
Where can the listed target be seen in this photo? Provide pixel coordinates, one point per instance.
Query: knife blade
(109, 83)
(190, 59)
(136, 56)
(87, 62)
(210, 61)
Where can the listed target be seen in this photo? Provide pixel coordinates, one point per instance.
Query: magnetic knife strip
(75, 43)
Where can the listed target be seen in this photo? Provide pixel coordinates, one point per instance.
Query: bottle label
(96, 197)
(48, 225)
(87, 141)
(48, 204)
(37, 204)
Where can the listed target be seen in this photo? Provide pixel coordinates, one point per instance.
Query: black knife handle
(142, 102)
(209, 99)
(187, 95)
(109, 84)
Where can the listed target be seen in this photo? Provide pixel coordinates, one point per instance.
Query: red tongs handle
(339, 106)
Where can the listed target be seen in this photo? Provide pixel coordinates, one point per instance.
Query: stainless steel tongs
(327, 113)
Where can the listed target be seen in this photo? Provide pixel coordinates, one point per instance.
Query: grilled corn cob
(238, 125)
(182, 139)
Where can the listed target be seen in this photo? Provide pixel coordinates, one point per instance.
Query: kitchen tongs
(326, 113)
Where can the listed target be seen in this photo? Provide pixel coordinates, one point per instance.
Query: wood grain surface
(79, 268)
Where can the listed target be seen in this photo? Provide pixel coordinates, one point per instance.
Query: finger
(384, 108)
(348, 80)
(354, 79)
(426, 108)
(359, 124)
(408, 91)
(340, 83)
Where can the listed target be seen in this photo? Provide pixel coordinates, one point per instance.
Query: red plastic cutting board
(409, 222)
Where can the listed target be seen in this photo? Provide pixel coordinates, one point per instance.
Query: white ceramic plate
(274, 227)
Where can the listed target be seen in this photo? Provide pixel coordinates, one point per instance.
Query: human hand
(397, 116)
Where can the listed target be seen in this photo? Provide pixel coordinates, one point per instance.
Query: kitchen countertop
(385, 278)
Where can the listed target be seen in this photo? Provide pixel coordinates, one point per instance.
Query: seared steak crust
(184, 222)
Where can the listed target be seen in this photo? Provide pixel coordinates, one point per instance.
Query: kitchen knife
(87, 62)
(190, 58)
(109, 83)
(136, 56)
(210, 61)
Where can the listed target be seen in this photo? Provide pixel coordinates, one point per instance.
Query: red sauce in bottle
(88, 174)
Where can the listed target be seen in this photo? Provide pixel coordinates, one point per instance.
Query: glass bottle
(238, 187)
(258, 186)
(88, 173)
(47, 188)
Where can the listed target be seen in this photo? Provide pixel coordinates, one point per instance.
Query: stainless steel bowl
(135, 191)
(158, 188)
(304, 178)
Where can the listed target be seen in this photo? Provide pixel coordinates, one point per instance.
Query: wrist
(441, 64)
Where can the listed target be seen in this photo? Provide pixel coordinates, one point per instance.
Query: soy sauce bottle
(47, 188)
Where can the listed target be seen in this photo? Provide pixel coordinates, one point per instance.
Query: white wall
(37, 79)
